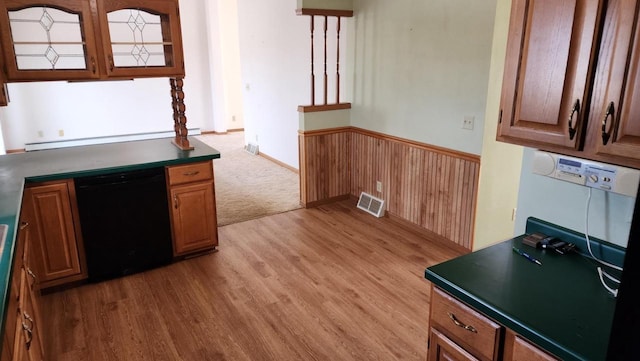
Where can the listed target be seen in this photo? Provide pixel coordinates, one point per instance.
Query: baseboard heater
(103, 140)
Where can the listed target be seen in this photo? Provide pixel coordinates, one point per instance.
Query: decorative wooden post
(179, 117)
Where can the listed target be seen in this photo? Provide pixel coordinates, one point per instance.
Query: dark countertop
(64, 163)
(560, 306)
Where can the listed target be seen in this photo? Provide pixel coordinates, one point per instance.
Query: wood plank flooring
(329, 283)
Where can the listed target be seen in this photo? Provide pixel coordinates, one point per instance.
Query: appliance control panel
(607, 177)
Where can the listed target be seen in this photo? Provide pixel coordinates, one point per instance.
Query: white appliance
(588, 173)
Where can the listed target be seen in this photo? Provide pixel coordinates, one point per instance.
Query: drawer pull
(24, 225)
(29, 335)
(33, 275)
(28, 318)
(191, 174)
(460, 324)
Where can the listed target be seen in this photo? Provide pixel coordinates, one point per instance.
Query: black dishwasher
(125, 222)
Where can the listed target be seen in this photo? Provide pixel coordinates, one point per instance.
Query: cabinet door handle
(574, 110)
(111, 63)
(191, 174)
(29, 335)
(28, 318)
(175, 202)
(460, 324)
(93, 65)
(33, 275)
(23, 225)
(605, 135)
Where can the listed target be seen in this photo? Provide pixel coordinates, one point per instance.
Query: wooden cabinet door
(48, 40)
(30, 323)
(193, 217)
(47, 208)
(141, 38)
(441, 348)
(4, 92)
(548, 67)
(615, 111)
(519, 349)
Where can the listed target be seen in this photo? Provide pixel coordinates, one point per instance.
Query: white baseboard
(103, 140)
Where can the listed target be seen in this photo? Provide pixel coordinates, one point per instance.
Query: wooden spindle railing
(326, 78)
(326, 14)
(313, 74)
(338, 59)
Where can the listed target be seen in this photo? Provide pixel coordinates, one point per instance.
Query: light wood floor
(330, 283)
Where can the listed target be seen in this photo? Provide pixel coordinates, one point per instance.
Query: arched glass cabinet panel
(48, 40)
(141, 37)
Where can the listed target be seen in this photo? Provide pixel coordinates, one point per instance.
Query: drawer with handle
(475, 332)
(188, 173)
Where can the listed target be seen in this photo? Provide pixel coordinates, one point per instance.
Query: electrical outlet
(40, 134)
(468, 121)
(233, 118)
(378, 186)
(61, 132)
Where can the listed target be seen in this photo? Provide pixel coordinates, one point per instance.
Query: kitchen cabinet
(566, 63)
(23, 334)
(441, 348)
(617, 135)
(91, 39)
(517, 348)
(51, 209)
(458, 329)
(4, 92)
(458, 332)
(193, 212)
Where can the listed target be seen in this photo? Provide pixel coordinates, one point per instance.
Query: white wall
(2, 147)
(421, 67)
(94, 109)
(224, 64)
(500, 162)
(564, 203)
(274, 54)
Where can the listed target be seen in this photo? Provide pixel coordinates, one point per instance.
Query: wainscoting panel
(432, 187)
(324, 166)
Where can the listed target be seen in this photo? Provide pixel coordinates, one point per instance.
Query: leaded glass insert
(46, 38)
(136, 38)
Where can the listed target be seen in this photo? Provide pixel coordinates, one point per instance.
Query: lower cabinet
(193, 208)
(517, 348)
(23, 333)
(56, 237)
(441, 348)
(458, 332)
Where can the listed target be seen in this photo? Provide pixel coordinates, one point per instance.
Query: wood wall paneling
(428, 186)
(325, 172)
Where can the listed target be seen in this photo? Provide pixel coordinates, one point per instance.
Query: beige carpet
(249, 186)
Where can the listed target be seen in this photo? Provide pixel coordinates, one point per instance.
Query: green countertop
(560, 306)
(64, 163)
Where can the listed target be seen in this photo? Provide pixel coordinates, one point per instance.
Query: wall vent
(252, 148)
(371, 204)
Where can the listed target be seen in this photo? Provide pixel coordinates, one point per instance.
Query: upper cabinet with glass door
(48, 40)
(90, 39)
(141, 38)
